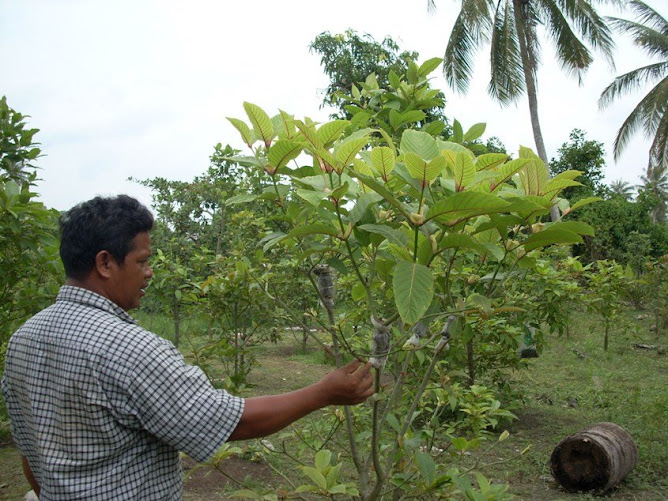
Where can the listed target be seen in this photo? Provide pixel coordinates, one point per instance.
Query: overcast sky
(142, 88)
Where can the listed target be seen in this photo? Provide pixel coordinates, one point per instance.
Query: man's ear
(104, 263)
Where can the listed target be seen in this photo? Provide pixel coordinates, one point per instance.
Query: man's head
(98, 236)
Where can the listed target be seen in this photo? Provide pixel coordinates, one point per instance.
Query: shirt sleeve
(170, 399)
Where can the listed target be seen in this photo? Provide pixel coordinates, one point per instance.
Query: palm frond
(591, 26)
(631, 81)
(470, 31)
(651, 41)
(648, 112)
(658, 152)
(649, 17)
(572, 54)
(507, 77)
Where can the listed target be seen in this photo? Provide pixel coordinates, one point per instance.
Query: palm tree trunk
(529, 68)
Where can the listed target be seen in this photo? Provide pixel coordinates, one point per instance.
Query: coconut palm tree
(655, 184)
(650, 33)
(622, 188)
(511, 27)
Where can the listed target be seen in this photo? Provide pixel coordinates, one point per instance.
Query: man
(100, 407)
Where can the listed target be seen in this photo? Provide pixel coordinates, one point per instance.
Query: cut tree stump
(596, 459)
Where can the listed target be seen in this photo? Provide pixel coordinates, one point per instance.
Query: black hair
(99, 224)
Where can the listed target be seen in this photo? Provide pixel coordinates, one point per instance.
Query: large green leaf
(428, 66)
(312, 197)
(462, 168)
(506, 171)
(282, 151)
(490, 160)
(464, 205)
(363, 203)
(452, 146)
(314, 229)
(475, 131)
(394, 236)
(582, 202)
(421, 170)
(286, 129)
(240, 199)
(534, 175)
(461, 241)
(419, 143)
(316, 476)
(261, 122)
(578, 227)
(243, 129)
(383, 160)
(549, 237)
(310, 134)
(331, 131)
(413, 286)
(346, 151)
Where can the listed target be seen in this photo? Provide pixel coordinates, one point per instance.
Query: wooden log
(596, 459)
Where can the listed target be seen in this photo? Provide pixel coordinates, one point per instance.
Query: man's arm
(28, 473)
(348, 385)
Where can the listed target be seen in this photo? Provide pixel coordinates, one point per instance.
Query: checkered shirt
(101, 407)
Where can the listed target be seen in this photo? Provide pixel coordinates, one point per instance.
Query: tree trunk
(529, 68)
(596, 459)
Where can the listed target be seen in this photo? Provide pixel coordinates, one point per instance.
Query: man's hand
(348, 385)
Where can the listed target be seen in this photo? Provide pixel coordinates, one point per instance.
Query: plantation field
(571, 386)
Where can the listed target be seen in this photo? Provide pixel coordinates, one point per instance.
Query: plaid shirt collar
(87, 297)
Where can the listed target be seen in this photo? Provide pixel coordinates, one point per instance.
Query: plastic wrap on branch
(419, 330)
(444, 343)
(380, 346)
(325, 276)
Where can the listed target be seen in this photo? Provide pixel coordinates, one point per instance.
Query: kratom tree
(512, 28)
(425, 235)
(649, 32)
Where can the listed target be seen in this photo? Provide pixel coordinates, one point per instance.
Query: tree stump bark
(596, 459)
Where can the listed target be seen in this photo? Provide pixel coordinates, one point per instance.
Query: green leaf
(240, 199)
(313, 229)
(411, 116)
(490, 160)
(461, 241)
(332, 478)
(357, 293)
(575, 226)
(419, 143)
(243, 129)
(584, 201)
(331, 131)
(457, 132)
(534, 175)
(383, 160)
(393, 78)
(426, 466)
(450, 146)
(428, 66)
(287, 126)
(316, 476)
(363, 203)
(475, 132)
(346, 151)
(309, 132)
(462, 168)
(549, 237)
(464, 205)
(413, 286)
(508, 170)
(261, 122)
(282, 151)
(323, 458)
(311, 196)
(397, 237)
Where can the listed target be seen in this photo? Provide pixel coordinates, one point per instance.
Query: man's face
(130, 278)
